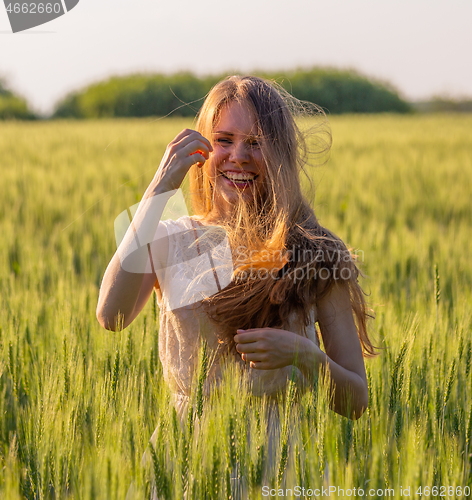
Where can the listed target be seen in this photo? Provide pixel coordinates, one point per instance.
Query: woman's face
(237, 166)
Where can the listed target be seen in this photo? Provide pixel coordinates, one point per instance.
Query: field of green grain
(78, 404)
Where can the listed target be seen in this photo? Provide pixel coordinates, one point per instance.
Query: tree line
(13, 106)
(182, 94)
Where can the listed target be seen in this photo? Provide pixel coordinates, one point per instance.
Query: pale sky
(422, 47)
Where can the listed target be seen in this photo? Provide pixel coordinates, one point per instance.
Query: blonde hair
(278, 229)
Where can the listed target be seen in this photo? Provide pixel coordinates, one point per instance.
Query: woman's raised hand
(188, 147)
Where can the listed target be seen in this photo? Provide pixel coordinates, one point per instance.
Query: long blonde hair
(278, 230)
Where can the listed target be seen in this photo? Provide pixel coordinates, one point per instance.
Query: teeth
(235, 176)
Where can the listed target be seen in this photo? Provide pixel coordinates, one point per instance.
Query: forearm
(118, 295)
(125, 275)
(348, 392)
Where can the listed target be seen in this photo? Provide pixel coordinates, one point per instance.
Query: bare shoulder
(338, 328)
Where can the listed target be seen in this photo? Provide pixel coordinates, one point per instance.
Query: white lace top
(193, 272)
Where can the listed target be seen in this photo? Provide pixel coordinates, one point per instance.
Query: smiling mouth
(239, 179)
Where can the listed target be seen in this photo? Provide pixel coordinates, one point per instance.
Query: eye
(223, 140)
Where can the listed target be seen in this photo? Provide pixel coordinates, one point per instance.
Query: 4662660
(443, 491)
(34, 8)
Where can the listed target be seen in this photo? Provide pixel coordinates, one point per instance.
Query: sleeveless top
(199, 264)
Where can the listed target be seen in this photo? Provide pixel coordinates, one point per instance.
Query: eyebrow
(224, 132)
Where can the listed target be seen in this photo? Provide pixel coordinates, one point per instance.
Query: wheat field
(79, 403)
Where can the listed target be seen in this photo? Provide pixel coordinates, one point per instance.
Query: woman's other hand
(271, 348)
(188, 147)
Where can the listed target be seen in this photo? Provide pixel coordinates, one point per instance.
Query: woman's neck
(215, 217)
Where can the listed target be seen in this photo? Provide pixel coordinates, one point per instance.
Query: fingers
(242, 348)
(258, 364)
(190, 147)
(259, 360)
(254, 356)
(197, 158)
(247, 336)
(257, 348)
(184, 133)
(187, 136)
(196, 147)
(199, 163)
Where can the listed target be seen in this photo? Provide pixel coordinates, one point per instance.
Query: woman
(286, 272)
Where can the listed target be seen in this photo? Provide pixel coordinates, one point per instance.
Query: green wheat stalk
(397, 378)
(447, 392)
(298, 466)
(66, 370)
(154, 306)
(232, 442)
(228, 492)
(214, 476)
(115, 374)
(203, 371)
(437, 293)
(468, 439)
(161, 481)
(284, 451)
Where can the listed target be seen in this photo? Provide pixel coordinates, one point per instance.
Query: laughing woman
(286, 272)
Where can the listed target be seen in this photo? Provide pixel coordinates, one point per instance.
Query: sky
(422, 47)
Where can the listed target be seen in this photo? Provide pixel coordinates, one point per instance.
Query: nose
(239, 153)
